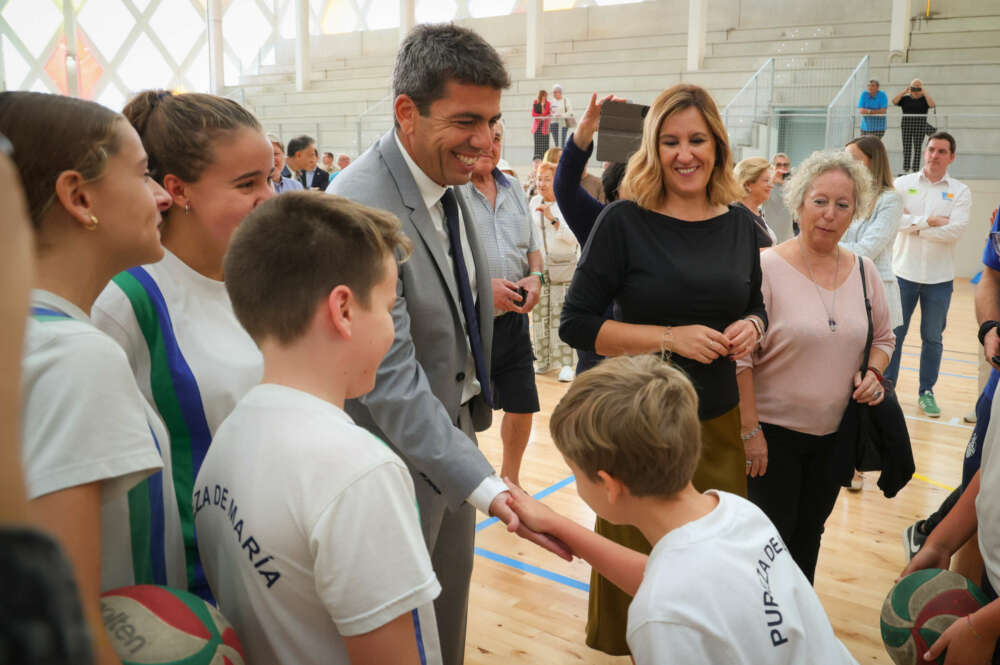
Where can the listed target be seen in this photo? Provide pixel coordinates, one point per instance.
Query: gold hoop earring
(92, 225)
(187, 208)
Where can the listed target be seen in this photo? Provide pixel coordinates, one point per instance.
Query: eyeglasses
(917, 89)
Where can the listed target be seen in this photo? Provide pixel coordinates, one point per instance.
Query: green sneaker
(928, 405)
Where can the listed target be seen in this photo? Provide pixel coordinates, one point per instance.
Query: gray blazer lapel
(419, 215)
(484, 283)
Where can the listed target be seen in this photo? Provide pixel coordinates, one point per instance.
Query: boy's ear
(613, 488)
(340, 305)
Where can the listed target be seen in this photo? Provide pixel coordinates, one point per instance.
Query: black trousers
(913, 138)
(798, 491)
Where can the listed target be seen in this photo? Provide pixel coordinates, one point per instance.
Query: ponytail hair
(179, 131)
(52, 134)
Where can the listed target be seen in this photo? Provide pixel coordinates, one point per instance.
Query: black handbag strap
(868, 311)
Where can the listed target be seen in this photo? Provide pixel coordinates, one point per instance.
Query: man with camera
(915, 102)
(499, 212)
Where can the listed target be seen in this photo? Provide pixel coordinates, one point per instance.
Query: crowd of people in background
(373, 317)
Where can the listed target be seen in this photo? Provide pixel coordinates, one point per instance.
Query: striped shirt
(505, 230)
(192, 360)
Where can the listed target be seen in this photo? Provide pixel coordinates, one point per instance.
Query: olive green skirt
(723, 467)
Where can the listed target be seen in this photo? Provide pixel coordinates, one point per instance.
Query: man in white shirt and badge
(935, 214)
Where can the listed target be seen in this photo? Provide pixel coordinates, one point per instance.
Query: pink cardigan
(546, 112)
(803, 373)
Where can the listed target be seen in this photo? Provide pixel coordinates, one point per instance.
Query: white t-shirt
(988, 500)
(85, 421)
(724, 589)
(560, 244)
(191, 358)
(309, 531)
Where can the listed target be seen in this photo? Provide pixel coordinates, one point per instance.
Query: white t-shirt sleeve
(371, 561)
(113, 314)
(83, 418)
(655, 642)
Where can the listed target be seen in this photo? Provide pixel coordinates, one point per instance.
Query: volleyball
(920, 607)
(156, 624)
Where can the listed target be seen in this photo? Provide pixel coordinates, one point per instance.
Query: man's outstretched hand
(500, 508)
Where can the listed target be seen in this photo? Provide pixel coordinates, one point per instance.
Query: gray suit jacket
(418, 387)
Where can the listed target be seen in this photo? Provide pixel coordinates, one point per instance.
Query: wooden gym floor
(528, 606)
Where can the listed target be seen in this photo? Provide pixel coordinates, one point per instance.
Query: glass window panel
(317, 9)
(555, 5)
(34, 22)
(245, 30)
(15, 67)
(382, 14)
(40, 86)
(435, 11)
(179, 27)
(197, 72)
(112, 97)
(339, 17)
(107, 23)
(141, 4)
(483, 8)
(144, 67)
(616, 2)
(286, 19)
(231, 70)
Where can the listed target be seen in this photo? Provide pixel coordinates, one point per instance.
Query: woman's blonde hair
(824, 161)
(643, 182)
(749, 170)
(552, 155)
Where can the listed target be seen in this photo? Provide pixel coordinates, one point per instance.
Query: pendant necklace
(830, 321)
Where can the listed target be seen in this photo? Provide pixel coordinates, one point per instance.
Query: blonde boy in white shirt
(719, 585)
(307, 524)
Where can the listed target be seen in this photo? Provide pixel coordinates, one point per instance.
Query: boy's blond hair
(635, 418)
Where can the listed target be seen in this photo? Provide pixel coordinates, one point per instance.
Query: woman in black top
(684, 270)
(915, 103)
(753, 175)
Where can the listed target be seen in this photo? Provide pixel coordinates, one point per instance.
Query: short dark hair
(431, 55)
(292, 250)
(875, 81)
(328, 154)
(299, 143)
(944, 136)
(611, 179)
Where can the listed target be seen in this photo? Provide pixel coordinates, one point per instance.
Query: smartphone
(521, 291)
(621, 130)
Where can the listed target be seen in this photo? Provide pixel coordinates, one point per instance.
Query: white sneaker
(566, 374)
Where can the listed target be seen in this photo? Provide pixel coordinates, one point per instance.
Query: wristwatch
(985, 328)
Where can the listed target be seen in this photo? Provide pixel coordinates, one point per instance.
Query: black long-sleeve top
(665, 271)
(577, 205)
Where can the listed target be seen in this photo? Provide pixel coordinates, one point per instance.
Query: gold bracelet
(968, 617)
(666, 344)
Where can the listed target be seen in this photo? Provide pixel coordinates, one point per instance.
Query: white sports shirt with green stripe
(192, 360)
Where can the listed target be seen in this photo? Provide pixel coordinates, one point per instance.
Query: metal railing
(842, 109)
(750, 106)
(364, 132)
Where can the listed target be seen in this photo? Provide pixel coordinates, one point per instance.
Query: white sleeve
(84, 419)
(958, 219)
(371, 563)
(656, 642)
(112, 313)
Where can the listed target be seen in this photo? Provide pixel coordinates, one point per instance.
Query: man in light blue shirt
(873, 104)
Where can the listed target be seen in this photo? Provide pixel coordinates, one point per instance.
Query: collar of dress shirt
(430, 191)
(946, 178)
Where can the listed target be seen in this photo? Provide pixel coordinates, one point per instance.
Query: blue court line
(534, 570)
(954, 360)
(539, 496)
(960, 376)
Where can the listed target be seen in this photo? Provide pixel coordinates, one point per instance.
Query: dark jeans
(873, 132)
(973, 454)
(934, 302)
(798, 491)
(912, 129)
(558, 131)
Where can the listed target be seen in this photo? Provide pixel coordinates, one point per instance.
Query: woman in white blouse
(561, 251)
(562, 116)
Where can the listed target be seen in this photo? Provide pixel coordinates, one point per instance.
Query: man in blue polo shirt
(873, 104)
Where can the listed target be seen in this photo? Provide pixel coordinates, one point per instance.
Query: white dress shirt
(431, 193)
(926, 254)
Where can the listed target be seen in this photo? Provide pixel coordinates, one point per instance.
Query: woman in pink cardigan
(795, 386)
(541, 111)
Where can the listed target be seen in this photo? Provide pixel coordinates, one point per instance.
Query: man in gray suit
(432, 391)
